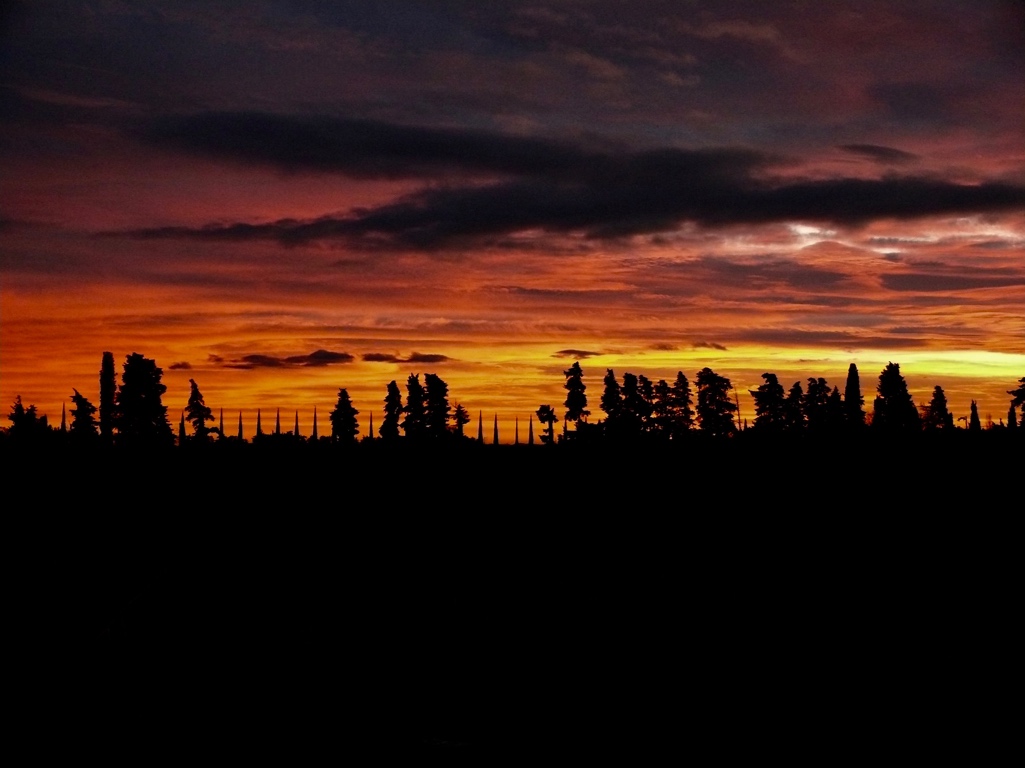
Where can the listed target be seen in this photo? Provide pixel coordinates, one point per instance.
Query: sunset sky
(281, 199)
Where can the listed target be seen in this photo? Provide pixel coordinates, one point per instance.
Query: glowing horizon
(491, 195)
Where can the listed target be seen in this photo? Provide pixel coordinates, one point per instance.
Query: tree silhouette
(461, 418)
(414, 425)
(576, 397)
(816, 404)
(793, 409)
(894, 410)
(936, 415)
(974, 425)
(392, 412)
(611, 402)
(436, 407)
(344, 426)
(769, 405)
(715, 406)
(681, 410)
(197, 413)
(546, 415)
(108, 392)
(83, 422)
(852, 398)
(140, 415)
(633, 410)
(27, 426)
(1012, 418)
(1018, 395)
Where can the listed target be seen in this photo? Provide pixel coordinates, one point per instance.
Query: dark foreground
(458, 609)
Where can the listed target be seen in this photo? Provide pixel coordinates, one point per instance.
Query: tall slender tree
(389, 429)
(576, 394)
(108, 392)
(974, 425)
(853, 400)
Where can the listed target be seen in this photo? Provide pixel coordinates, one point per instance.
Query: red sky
(236, 189)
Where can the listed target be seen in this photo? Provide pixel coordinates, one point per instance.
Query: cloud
(182, 366)
(662, 347)
(418, 357)
(709, 345)
(415, 357)
(880, 153)
(563, 188)
(925, 281)
(319, 358)
(316, 359)
(581, 354)
(356, 148)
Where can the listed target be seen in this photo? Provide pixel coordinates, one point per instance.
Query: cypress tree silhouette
(108, 391)
(576, 397)
(181, 430)
(480, 427)
(974, 425)
(64, 419)
(259, 425)
(220, 423)
(240, 437)
(495, 439)
(313, 435)
(295, 431)
(370, 432)
(516, 436)
(392, 413)
(853, 400)
(1012, 418)
(530, 432)
(277, 424)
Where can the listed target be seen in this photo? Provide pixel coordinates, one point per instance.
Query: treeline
(131, 414)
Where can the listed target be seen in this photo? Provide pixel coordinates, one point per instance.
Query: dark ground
(465, 610)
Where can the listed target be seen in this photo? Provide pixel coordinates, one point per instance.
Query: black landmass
(812, 602)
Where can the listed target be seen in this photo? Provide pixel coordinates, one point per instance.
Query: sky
(282, 199)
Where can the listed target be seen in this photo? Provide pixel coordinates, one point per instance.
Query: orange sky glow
(491, 195)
